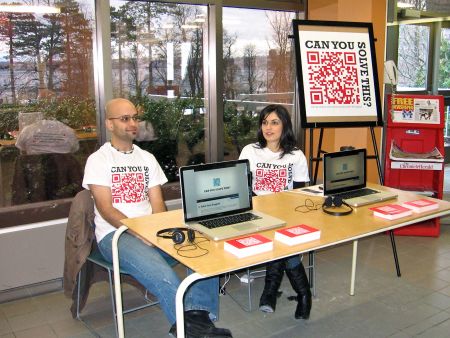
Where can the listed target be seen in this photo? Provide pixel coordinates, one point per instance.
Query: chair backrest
(79, 237)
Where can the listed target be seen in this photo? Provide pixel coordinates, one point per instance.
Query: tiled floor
(415, 305)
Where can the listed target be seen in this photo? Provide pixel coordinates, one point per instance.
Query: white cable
(227, 279)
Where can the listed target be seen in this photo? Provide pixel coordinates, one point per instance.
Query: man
(125, 181)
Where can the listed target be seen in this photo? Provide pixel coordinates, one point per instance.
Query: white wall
(34, 253)
(31, 253)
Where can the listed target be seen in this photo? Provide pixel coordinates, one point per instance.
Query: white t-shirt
(129, 176)
(271, 173)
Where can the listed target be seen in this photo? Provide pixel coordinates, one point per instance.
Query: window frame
(57, 209)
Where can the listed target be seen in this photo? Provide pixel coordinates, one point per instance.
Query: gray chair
(80, 237)
(96, 257)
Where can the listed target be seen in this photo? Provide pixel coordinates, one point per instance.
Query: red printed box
(421, 205)
(249, 245)
(391, 211)
(297, 234)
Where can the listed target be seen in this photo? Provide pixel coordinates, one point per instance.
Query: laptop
(218, 193)
(344, 175)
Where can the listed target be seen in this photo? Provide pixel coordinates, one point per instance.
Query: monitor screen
(217, 189)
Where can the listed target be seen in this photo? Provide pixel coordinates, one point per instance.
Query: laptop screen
(344, 171)
(218, 189)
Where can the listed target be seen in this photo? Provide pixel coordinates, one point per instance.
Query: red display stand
(415, 126)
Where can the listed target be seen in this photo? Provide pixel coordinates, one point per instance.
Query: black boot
(300, 284)
(197, 324)
(274, 275)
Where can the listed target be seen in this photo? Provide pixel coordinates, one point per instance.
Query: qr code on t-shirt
(333, 78)
(274, 180)
(128, 188)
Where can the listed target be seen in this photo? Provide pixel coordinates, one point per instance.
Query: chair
(96, 257)
(250, 275)
(84, 260)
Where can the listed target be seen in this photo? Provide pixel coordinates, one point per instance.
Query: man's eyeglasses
(127, 118)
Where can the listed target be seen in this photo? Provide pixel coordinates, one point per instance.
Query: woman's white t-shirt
(274, 174)
(129, 176)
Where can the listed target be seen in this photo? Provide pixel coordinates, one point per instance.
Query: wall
(354, 11)
(34, 253)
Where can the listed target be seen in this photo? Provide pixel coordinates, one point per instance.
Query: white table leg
(117, 285)
(179, 306)
(355, 255)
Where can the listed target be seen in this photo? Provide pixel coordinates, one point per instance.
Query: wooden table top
(334, 230)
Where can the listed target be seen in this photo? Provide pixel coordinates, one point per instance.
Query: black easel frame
(337, 74)
(376, 156)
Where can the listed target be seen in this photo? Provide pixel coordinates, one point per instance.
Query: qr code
(128, 188)
(333, 78)
(274, 180)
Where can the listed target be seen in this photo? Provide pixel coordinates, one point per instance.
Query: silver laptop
(344, 175)
(217, 200)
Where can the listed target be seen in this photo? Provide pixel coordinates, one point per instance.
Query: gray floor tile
(440, 330)
(438, 300)
(416, 304)
(427, 324)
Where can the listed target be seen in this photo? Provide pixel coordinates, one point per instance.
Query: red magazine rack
(415, 126)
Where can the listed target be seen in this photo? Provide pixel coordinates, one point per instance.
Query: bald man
(126, 181)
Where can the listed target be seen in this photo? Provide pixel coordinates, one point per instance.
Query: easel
(321, 32)
(376, 156)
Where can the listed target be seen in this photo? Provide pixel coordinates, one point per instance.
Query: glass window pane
(447, 125)
(433, 6)
(47, 108)
(259, 69)
(413, 57)
(444, 63)
(157, 60)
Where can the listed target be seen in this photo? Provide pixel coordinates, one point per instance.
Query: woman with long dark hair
(276, 165)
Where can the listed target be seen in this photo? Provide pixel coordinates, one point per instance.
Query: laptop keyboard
(227, 220)
(356, 193)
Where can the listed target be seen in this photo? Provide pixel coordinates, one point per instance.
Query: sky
(251, 26)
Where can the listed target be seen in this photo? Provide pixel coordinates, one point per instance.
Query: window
(157, 62)
(444, 63)
(417, 30)
(47, 108)
(413, 49)
(259, 69)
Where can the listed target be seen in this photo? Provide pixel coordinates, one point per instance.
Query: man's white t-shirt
(274, 174)
(129, 176)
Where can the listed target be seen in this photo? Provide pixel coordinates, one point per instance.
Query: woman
(277, 164)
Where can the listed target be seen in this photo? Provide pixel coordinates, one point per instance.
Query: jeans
(293, 262)
(152, 268)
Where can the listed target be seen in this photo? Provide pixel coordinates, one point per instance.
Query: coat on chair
(79, 242)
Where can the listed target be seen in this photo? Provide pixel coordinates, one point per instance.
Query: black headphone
(177, 234)
(335, 201)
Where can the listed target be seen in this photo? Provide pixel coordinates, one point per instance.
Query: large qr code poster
(337, 73)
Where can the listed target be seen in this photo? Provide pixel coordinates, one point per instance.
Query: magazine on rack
(398, 154)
